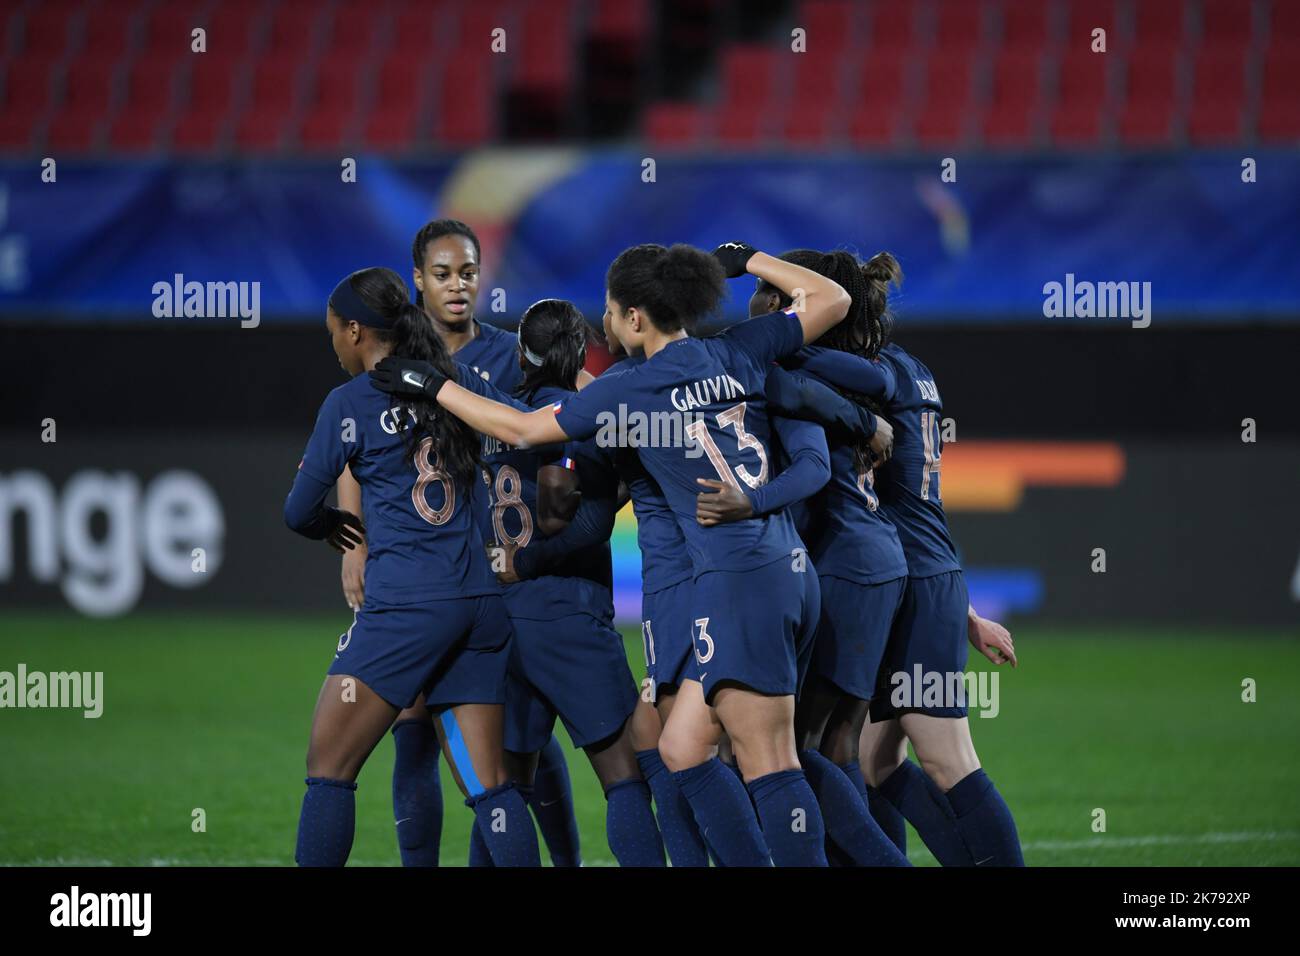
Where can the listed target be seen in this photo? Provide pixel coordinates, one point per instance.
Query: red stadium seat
(1151, 97)
(1082, 96)
(1024, 25)
(810, 124)
(168, 32)
(830, 25)
(1159, 25)
(877, 99)
(293, 29)
(1226, 25)
(1015, 99)
(1279, 101)
(149, 92)
(265, 122)
(892, 26)
(422, 27)
(626, 21)
(26, 98)
(463, 113)
(107, 31)
(332, 106)
(1218, 98)
(946, 107)
(674, 124)
(1083, 17)
(45, 30)
(230, 29)
(959, 25)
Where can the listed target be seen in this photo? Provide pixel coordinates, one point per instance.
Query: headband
(350, 307)
(529, 354)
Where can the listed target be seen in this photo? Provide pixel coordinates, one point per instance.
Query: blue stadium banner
(1080, 238)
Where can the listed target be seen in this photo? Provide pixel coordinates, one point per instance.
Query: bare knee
(681, 751)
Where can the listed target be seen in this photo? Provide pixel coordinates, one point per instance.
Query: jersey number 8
(431, 471)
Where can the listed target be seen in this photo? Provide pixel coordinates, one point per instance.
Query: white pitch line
(1099, 842)
(1103, 842)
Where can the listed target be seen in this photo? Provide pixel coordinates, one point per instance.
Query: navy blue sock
(417, 792)
(985, 822)
(681, 834)
(892, 823)
(848, 821)
(724, 814)
(552, 804)
(630, 824)
(502, 818)
(924, 805)
(479, 854)
(326, 823)
(790, 817)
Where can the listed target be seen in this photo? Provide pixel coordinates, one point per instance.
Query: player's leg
(471, 736)
(530, 725)
(944, 747)
(350, 719)
(551, 801)
(417, 789)
(854, 837)
(677, 826)
(630, 825)
(468, 699)
(521, 768)
(717, 798)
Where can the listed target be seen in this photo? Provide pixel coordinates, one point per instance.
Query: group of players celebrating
(794, 549)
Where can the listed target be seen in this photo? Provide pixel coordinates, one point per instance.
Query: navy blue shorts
(755, 627)
(854, 632)
(666, 636)
(928, 638)
(454, 651)
(574, 667)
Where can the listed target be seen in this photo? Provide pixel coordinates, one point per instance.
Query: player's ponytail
(553, 344)
(675, 287)
(880, 272)
(410, 334)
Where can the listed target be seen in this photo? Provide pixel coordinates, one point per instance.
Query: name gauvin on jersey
(706, 391)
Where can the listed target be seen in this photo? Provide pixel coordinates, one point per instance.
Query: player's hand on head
(348, 532)
(354, 576)
(399, 376)
(734, 257)
(882, 442)
(721, 502)
(992, 640)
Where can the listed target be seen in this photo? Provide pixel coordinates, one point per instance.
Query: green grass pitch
(212, 712)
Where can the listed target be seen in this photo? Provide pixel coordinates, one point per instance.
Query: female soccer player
(862, 573)
(445, 258)
(754, 602)
(954, 805)
(434, 623)
(567, 659)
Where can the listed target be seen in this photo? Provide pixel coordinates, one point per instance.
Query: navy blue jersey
(908, 486)
(909, 492)
(702, 413)
(422, 540)
(493, 354)
(657, 535)
(584, 586)
(850, 537)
